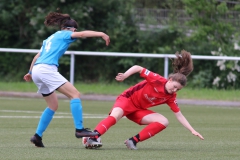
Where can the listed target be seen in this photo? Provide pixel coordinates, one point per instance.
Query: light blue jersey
(54, 47)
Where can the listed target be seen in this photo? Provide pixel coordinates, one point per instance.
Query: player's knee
(75, 94)
(117, 113)
(164, 121)
(53, 107)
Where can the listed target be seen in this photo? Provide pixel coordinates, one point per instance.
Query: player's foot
(37, 141)
(85, 132)
(130, 144)
(92, 143)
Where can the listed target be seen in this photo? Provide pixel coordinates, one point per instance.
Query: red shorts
(130, 111)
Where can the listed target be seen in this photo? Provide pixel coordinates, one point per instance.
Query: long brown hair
(60, 20)
(182, 67)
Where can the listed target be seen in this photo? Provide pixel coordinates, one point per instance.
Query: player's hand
(120, 77)
(106, 38)
(197, 134)
(27, 77)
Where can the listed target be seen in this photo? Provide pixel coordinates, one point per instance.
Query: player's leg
(76, 109)
(46, 118)
(115, 115)
(102, 127)
(120, 108)
(42, 77)
(155, 123)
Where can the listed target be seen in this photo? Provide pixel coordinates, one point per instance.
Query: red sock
(150, 130)
(105, 124)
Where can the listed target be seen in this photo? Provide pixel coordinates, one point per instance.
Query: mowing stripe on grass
(57, 115)
(53, 117)
(20, 111)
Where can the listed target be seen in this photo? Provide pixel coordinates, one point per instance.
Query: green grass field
(19, 118)
(117, 88)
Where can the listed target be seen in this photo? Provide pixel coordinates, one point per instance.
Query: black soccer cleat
(37, 141)
(85, 132)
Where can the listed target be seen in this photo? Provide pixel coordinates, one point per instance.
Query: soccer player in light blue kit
(44, 73)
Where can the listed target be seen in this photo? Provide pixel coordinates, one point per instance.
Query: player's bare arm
(134, 69)
(27, 76)
(180, 117)
(85, 34)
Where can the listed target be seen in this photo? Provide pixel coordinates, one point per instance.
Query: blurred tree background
(207, 27)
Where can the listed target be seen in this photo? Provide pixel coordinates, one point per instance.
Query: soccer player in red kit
(135, 101)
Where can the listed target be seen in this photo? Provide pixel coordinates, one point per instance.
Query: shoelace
(87, 129)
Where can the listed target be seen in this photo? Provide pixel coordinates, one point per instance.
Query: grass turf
(19, 118)
(117, 88)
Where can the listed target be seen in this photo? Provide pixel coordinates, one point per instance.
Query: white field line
(57, 115)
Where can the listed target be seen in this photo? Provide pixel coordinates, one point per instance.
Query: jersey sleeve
(41, 49)
(172, 103)
(149, 75)
(153, 78)
(67, 37)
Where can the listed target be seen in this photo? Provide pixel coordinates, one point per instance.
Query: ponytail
(183, 63)
(182, 67)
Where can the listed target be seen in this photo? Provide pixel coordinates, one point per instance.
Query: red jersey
(151, 92)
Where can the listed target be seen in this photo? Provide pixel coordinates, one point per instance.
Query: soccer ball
(89, 145)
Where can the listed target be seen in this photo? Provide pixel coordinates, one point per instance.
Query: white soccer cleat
(130, 145)
(91, 143)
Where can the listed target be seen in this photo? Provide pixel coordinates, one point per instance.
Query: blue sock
(76, 109)
(44, 121)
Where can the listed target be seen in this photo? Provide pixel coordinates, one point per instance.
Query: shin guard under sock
(105, 124)
(150, 130)
(44, 121)
(76, 109)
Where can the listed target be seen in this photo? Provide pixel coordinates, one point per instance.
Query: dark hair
(182, 67)
(60, 20)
